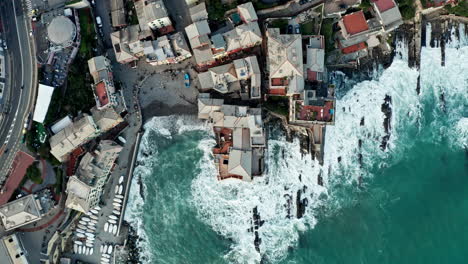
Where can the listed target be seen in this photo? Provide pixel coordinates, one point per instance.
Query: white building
(152, 14)
(285, 63)
(73, 136)
(12, 250)
(85, 188)
(20, 212)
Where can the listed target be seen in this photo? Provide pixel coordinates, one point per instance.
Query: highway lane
(17, 36)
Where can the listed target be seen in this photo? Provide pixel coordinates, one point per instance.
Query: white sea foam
(165, 126)
(227, 205)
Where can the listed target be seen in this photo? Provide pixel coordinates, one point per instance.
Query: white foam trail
(227, 205)
(451, 83)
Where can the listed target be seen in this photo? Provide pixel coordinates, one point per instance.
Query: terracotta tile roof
(355, 23)
(354, 48)
(101, 93)
(384, 5)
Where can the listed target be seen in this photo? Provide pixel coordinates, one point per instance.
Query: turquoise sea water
(411, 208)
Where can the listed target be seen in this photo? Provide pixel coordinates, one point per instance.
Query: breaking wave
(353, 149)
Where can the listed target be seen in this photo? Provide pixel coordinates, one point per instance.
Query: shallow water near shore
(411, 208)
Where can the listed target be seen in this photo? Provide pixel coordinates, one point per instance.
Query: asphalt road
(22, 73)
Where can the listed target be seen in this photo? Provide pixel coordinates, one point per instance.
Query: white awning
(42, 104)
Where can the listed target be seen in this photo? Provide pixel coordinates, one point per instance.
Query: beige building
(12, 250)
(106, 118)
(152, 14)
(240, 138)
(127, 43)
(100, 69)
(117, 9)
(198, 12)
(285, 63)
(247, 12)
(84, 189)
(20, 212)
(242, 75)
(73, 136)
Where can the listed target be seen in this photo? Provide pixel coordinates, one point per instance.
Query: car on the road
(99, 21)
(297, 29)
(290, 29)
(187, 80)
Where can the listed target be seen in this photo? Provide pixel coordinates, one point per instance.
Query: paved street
(22, 75)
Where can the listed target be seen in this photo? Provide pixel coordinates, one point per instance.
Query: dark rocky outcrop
(387, 110)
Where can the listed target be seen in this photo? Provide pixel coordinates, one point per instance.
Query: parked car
(187, 80)
(99, 21)
(297, 29)
(290, 29)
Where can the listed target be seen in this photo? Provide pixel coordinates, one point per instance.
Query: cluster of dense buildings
(85, 186)
(104, 116)
(241, 33)
(152, 39)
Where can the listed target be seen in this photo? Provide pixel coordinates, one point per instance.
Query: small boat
(117, 200)
(120, 189)
(94, 211)
(75, 248)
(116, 212)
(86, 219)
(98, 208)
(116, 204)
(114, 230)
(109, 250)
(105, 255)
(80, 250)
(82, 222)
(92, 228)
(93, 217)
(112, 221)
(88, 213)
(105, 249)
(91, 250)
(113, 217)
(105, 261)
(80, 230)
(79, 243)
(116, 189)
(106, 227)
(119, 196)
(121, 179)
(94, 221)
(101, 249)
(90, 245)
(89, 234)
(80, 235)
(81, 226)
(88, 250)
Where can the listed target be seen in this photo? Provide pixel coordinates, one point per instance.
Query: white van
(99, 21)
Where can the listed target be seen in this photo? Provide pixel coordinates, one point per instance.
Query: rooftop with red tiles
(384, 5)
(355, 23)
(101, 93)
(18, 169)
(354, 48)
(318, 113)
